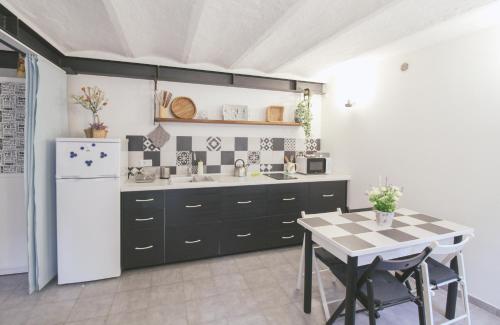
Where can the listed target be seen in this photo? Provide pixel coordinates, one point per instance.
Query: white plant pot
(384, 218)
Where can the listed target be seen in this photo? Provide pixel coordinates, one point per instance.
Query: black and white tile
(219, 153)
(12, 112)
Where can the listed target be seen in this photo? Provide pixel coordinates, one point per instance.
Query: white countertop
(180, 182)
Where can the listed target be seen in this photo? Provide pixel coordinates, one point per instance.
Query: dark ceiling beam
(8, 59)
(75, 65)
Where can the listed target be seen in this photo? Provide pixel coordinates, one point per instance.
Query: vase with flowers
(385, 200)
(94, 100)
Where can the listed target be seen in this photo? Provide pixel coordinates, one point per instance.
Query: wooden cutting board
(183, 107)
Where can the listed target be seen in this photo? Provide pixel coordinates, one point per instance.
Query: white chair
(436, 274)
(316, 270)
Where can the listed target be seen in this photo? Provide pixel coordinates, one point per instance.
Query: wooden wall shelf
(176, 120)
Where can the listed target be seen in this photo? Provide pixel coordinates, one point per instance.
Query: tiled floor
(249, 289)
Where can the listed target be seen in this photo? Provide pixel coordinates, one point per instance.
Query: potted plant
(93, 99)
(384, 200)
(303, 113)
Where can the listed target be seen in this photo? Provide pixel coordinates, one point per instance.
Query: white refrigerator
(88, 209)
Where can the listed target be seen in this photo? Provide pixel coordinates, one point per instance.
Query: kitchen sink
(191, 179)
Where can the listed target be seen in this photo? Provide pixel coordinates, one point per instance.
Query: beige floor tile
(20, 297)
(168, 274)
(12, 281)
(92, 321)
(100, 288)
(200, 288)
(135, 280)
(196, 270)
(270, 296)
(206, 310)
(91, 307)
(223, 265)
(250, 319)
(287, 315)
(50, 313)
(239, 303)
(54, 292)
(130, 300)
(259, 278)
(248, 262)
(172, 294)
(287, 270)
(15, 316)
(272, 258)
(230, 282)
(171, 315)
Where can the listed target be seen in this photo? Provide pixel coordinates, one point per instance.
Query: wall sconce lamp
(349, 104)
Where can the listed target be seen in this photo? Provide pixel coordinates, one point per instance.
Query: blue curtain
(29, 164)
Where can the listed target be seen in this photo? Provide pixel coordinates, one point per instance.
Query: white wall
(434, 130)
(130, 109)
(51, 122)
(13, 234)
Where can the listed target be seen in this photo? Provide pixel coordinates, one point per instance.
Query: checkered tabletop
(358, 234)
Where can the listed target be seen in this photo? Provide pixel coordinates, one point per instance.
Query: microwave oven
(314, 165)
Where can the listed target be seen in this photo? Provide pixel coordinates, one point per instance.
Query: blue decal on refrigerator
(88, 162)
(72, 154)
(104, 155)
(93, 144)
(81, 148)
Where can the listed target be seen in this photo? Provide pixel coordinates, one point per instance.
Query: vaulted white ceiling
(272, 37)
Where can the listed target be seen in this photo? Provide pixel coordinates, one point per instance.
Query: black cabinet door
(142, 248)
(191, 242)
(244, 202)
(327, 196)
(243, 235)
(286, 198)
(192, 206)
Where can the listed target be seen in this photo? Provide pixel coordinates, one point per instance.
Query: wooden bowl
(275, 113)
(183, 107)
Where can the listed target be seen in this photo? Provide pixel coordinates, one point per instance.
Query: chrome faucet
(190, 163)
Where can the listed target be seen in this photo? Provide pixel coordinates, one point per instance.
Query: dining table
(357, 239)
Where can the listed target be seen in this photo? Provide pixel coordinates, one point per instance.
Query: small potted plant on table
(384, 200)
(93, 99)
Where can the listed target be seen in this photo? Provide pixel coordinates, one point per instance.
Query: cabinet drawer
(327, 196)
(142, 203)
(286, 198)
(187, 207)
(285, 222)
(187, 243)
(139, 221)
(244, 235)
(285, 237)
(244, 202)
(142, 248)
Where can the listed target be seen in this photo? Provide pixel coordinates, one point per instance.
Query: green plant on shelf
(303, 113)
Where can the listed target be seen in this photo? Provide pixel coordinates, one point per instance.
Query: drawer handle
(245, 235)
(244, 202)
(144, 200)
(288, 222)
(288, 199)
(328, 195)
(193, 206)
(287, 237)
(144, 219)
(144, 248)
(192, 242)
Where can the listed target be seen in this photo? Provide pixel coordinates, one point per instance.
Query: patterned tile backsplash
(12, 102)
(218, 153)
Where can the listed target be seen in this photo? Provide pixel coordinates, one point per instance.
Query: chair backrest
(440, 249)
(408, 266)
(304, 215)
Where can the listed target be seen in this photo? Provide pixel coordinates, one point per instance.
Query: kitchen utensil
(159, 136)
(163, 101)
(183, 107)
(164, 172)
(275, 113)
(240, 169)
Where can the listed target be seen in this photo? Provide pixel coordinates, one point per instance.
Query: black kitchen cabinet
(186, 224)
(327, 196)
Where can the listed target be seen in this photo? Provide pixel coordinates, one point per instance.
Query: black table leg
(451, 300)
(351, 290)
(308, 271)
